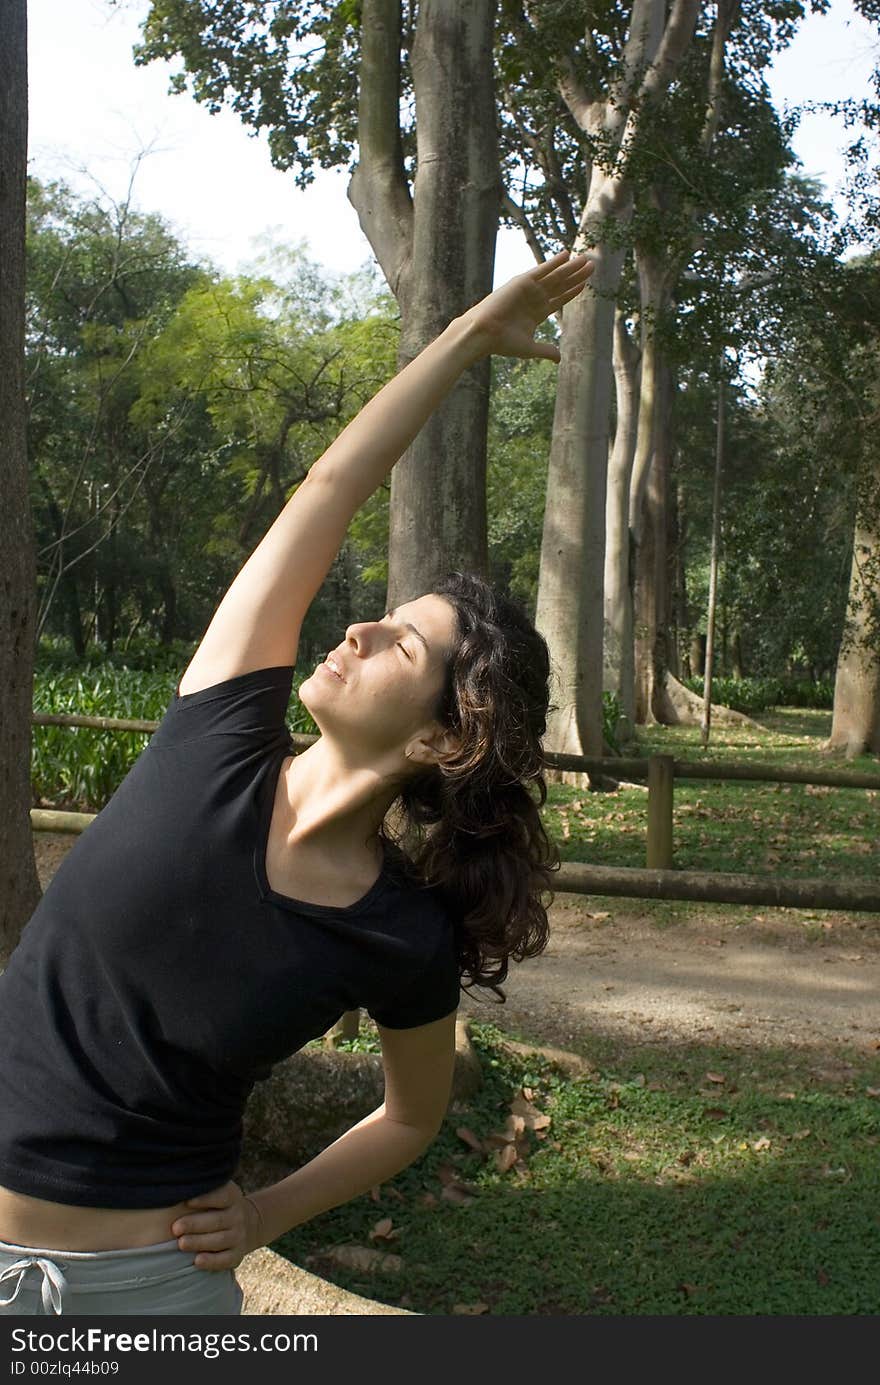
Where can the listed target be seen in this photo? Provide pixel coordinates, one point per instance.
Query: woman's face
(392, 672)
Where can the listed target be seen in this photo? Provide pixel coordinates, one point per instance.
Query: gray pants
(156, 1279)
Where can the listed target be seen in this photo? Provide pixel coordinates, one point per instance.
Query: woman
(225, 907)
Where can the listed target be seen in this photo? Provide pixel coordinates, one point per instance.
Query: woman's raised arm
(257, 623)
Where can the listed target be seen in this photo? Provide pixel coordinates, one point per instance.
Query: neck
(336, 808)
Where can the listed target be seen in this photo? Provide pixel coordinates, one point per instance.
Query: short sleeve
(433, 993)
(251, 707)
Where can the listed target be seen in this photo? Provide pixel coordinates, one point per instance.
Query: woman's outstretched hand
(221, 1229)
(506, 320)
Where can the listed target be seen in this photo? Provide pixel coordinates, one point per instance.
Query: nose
(356, 634)
(360, 635)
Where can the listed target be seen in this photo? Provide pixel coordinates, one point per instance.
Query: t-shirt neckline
(285, 901)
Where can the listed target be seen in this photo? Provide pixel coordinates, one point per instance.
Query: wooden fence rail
(658, 880)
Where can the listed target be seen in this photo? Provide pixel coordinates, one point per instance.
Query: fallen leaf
(872, 1091)
(506, 1157)
(382, 1231)
(521, 1107)
(514, 1126)
(352, 1257)
(454, 1192)
(470, 1138)
(821, 1278)
(801, 1134)
(715, 1077)
(763, 1143)
(428, 1200)
(470, 1308)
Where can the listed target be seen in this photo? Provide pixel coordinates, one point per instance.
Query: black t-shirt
(160, 976)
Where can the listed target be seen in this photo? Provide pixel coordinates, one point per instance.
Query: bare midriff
(31, 1221)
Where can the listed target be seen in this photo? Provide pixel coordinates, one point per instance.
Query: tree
(173, 412)
(856, 721)
(323, 78)
(610, 85)
(19, 887)
(103, 281)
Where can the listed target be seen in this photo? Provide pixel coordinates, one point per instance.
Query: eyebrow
(418, 634)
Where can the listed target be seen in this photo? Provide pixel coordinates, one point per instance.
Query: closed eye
(399, 645)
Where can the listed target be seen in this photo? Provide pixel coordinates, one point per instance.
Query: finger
(223, 1260)
(203, 1241)
(549, 265)
(559, 300)
(573, 272)
(200, 1224)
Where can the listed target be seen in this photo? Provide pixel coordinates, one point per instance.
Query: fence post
(661, 781)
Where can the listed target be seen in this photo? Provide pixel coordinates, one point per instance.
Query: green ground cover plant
(804, 830)
(704, 1181)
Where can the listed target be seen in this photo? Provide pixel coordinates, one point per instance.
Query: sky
(91, 110)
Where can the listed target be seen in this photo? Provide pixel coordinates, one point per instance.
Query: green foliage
(79, 768)
(757, 694)
(612, 713)
(745, 1197)
(751, 828)
(173, 412)
(289, 70)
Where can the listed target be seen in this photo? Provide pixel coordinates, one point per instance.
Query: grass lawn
(748, 828)
(675, 1189)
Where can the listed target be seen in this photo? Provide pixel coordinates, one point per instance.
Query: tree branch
(378, 190)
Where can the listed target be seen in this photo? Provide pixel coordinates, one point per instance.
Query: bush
(78, 768)
(758, 694)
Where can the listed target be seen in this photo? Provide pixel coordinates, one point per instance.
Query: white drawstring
(52, 1286)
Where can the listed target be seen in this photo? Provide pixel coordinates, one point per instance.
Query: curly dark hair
(470, 823)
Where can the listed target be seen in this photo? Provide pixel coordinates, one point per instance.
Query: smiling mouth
(332, 672)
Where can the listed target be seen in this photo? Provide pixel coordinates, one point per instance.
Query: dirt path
(777, 978)
(774, 978)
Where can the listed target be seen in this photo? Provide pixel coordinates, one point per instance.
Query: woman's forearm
(369, 1153)
(365, 451)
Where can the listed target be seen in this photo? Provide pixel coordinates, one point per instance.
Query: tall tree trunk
(19, 885)
(569, 609)
(570, 605)
(618, 644)
(674, 578)
(855, 726)
(706, 724)
(651, 596)
(437, 251)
